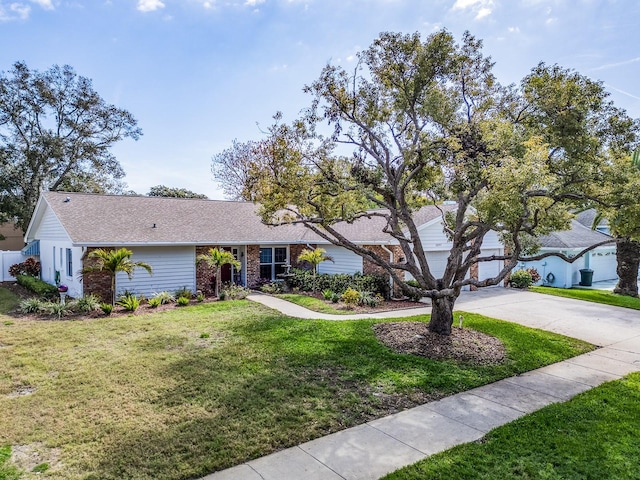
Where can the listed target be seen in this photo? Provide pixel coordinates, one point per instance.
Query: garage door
(344, 261)
(173, 268)
(437, 263)
(489, 269)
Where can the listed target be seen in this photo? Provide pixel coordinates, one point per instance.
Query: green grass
(182, 393)
(8, 301)
(593, 436)
(312, 303)
(597, 296)
(7, 471)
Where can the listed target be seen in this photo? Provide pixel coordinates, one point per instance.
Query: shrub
(232, 291)
(412, 297)
(335, 298)
(182, 301)
(32, 305)
(37, 286)
(327, 294)
(29, 267)
(106, 308)
(351, 297)
(368, 299)
(535, 276)
(155, 302)
(57, 308)
(129, 302)
(183, 292)
(272, 287)
(86, 304)
(200, 297)
(520, 279)
(306, 281)
(165, 297)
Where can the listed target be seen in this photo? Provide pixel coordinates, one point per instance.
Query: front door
(228, 274)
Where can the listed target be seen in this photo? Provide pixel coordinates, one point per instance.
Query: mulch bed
(464, 345)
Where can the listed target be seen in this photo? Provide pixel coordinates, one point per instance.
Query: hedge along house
(169, 233)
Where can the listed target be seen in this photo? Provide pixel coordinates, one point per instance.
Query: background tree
(231, 169)
(622, 209)
(216, 259)
(427, 122)
(162, 191)
(112, 262)
(55, 133)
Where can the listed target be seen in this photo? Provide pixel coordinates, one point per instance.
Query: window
(273, 262)
(69, 263)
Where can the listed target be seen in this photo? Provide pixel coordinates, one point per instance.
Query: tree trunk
(218, 281)
(113, 290)
(628, 258)
(442, 315)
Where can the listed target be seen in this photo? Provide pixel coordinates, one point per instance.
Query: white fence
(8, 258)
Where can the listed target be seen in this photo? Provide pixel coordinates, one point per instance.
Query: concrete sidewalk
(376, 448)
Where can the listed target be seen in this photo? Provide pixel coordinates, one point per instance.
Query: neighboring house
(11, 237)
(555, 272)
(587, 217)
(169, 233)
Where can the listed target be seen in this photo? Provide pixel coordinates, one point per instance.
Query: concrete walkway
(370, 451)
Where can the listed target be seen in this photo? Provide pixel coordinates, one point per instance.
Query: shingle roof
(92, 219)
(578, 236)
(587, 217)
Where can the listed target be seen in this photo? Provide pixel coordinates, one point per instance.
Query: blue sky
(199, 73)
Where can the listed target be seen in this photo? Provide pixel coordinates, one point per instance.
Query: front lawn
(182, 393)
(313, 303)
(592, 436)
(597, 296)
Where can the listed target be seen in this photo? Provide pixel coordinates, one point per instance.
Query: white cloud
(482, 8)
(14, 11)
(514, 29)
(46, 4)
(253, 3)
(149, 5)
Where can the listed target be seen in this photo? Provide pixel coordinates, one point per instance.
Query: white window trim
(273, 258)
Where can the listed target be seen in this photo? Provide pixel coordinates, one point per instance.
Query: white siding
(433, 237)
(173, 268)
(50, 228)
(344, 261)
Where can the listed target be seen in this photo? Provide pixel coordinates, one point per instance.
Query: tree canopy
(55, 134)
(163, 191)
(423, 121)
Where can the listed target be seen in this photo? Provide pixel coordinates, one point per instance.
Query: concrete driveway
(601, 325)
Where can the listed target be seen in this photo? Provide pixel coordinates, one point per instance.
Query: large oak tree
(422, 121)
(55, 134)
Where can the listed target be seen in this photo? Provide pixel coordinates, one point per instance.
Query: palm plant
(216, 259)
(315, 257)
(112, 262)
